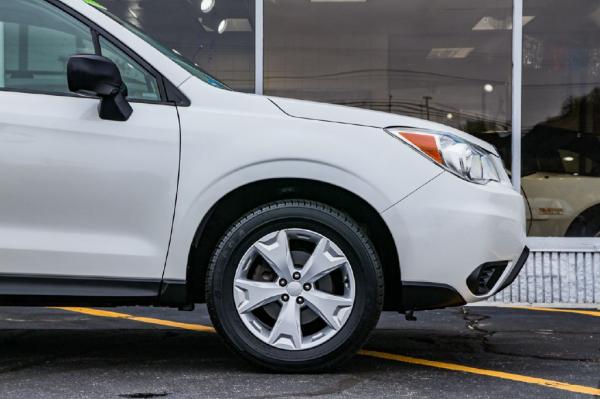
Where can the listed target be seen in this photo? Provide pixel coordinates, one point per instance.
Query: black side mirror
(97, 75)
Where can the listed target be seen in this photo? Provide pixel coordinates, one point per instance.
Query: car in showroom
(561, 173)
(131, 177)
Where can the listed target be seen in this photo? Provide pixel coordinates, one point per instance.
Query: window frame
(98, 49)
(169, 94)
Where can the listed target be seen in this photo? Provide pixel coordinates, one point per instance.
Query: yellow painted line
(490, 373)
(574, 311)
(149, 320)
(379, 355)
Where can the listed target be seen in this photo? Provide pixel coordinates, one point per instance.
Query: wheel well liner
(236, 203)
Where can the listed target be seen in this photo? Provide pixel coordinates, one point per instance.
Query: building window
(561, 117)
(217, 35)
(442, 61)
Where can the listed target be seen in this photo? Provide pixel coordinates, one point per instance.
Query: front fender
(193, 204)
(236, 139)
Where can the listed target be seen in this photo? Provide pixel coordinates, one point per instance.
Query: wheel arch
(237, 202)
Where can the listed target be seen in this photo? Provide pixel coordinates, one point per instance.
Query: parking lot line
(490, 373)
(574, 311)
(582, 389)
(149, 320)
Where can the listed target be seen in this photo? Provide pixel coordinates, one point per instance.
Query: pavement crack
(473, 320)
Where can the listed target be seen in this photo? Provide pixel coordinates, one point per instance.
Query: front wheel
(295, 286)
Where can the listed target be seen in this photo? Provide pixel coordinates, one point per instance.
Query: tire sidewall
(366, 306)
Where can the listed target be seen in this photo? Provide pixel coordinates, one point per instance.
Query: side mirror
(97, 75)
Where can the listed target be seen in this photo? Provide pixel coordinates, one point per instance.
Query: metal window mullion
(517, 89)
(2, 56)
(259, 47)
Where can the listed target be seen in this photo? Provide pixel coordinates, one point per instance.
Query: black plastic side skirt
(37, 290)
(423, 296)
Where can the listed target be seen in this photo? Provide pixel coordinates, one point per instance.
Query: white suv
(130, 177)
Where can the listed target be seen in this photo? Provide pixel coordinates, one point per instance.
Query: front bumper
(448, 228)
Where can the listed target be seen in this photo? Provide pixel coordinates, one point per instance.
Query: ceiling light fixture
(236, 25)
(222, 26)
(491, 23)
(450, 52)
(206, 6)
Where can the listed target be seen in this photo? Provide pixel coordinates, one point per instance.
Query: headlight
(466, 160)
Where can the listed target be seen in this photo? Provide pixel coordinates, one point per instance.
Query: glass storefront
(216, 35)
(448, 61)
(561, 117)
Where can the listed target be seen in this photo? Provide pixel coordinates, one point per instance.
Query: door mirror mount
(97, 75)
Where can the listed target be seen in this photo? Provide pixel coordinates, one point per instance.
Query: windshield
(173, 54)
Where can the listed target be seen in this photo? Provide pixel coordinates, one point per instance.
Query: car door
(80, 197)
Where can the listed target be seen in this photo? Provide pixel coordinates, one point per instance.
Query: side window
(36, 41)
(140, 84)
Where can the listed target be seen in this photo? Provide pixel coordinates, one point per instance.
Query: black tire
(340, 229)
(587, 224)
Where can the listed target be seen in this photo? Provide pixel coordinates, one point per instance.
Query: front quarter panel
(232, 139)
(447, 229)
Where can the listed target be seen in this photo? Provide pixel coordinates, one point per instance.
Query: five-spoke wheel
(295, 286)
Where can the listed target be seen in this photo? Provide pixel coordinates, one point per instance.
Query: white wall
(558, 278)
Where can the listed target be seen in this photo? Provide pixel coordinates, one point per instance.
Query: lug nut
(285, 297)
(282, 282)
(307, 287)
(296, 275)
(299, 300)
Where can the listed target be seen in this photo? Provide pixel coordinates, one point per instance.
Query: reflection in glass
(561, 118)
(217, 36)
(444, 60)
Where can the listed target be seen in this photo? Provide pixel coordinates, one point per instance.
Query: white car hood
(356, 116)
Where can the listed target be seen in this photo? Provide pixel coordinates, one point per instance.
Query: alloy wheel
(294, 289)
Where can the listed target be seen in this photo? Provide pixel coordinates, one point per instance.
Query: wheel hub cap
(294, 288)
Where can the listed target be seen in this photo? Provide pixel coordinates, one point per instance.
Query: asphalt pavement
(473, 352)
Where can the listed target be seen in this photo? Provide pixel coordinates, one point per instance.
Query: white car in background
(562, 205)
(130, 177)
(561, 180)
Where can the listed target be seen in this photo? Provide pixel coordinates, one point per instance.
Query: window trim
(98, 37)
(169, 94)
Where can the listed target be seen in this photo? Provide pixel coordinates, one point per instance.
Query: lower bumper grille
(485, 277)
